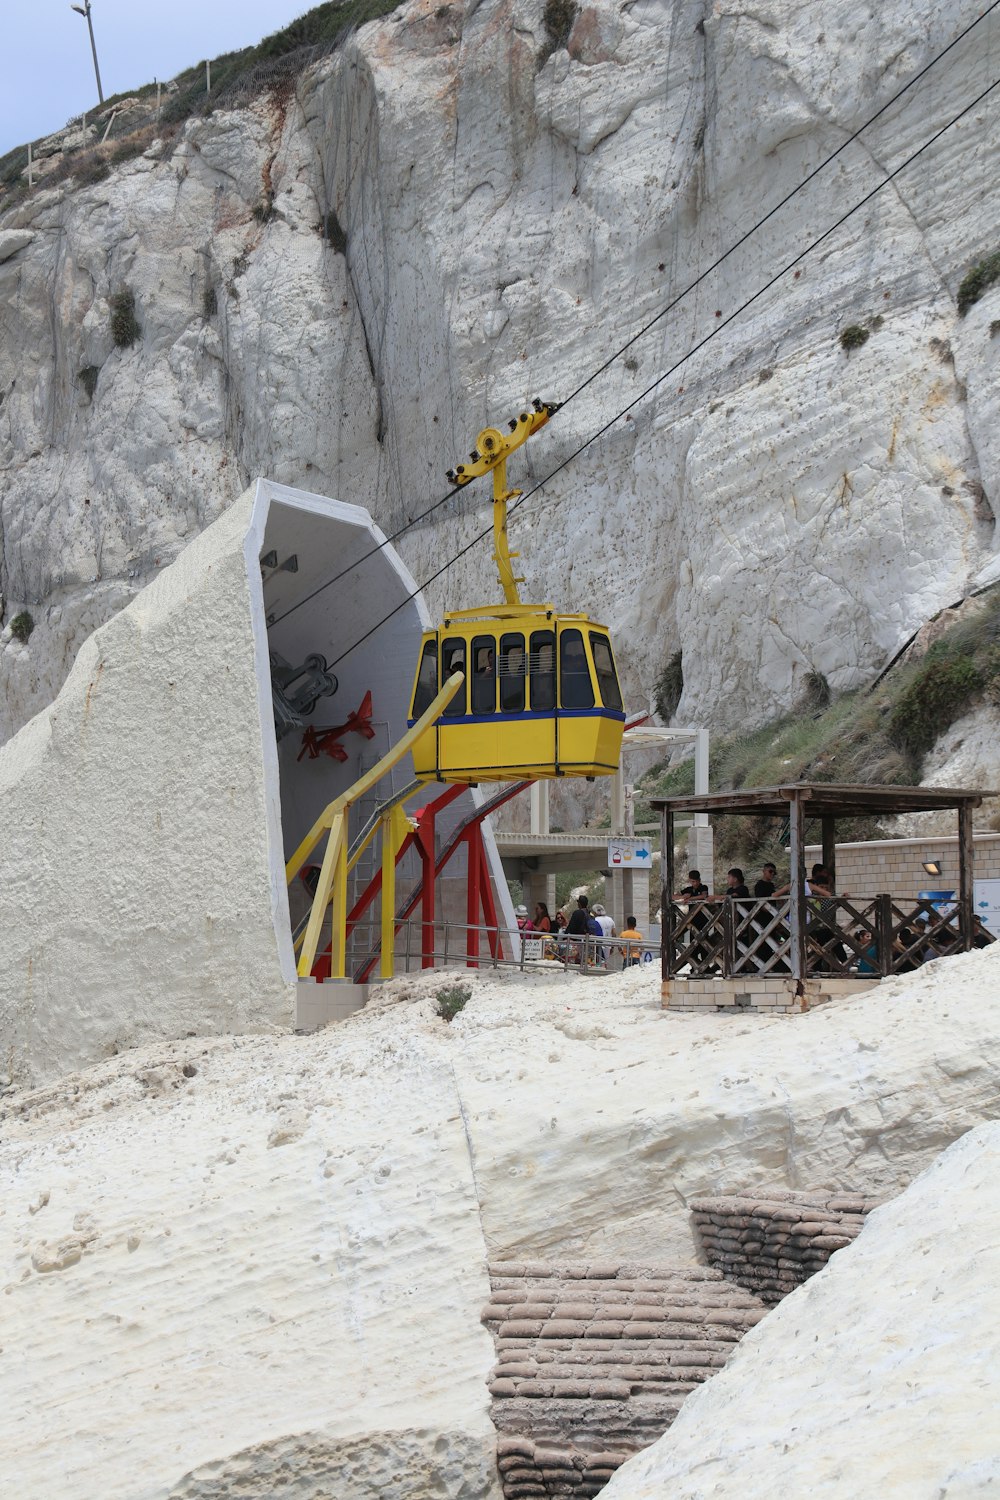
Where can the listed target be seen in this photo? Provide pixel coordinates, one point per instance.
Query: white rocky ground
(261, 1261)
(880, 1376)
(511, 217)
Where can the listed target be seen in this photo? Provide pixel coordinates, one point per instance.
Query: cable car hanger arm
(491, 453)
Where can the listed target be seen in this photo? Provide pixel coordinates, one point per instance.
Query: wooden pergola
(826, 802)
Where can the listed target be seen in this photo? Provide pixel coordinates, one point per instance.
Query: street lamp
(84, 10)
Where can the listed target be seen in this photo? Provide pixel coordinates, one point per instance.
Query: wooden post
(883, 933)
(797, 894)
(829, 835)
(966, 858)
(666, 912)
(728, 938)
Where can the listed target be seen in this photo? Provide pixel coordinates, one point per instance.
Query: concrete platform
(319, 1005)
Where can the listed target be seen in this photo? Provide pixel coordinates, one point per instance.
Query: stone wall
(770, 1240)
(867, 868)
(771, 994)
(594, 1361)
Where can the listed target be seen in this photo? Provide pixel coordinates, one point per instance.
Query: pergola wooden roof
(826, 801)
(829, 799)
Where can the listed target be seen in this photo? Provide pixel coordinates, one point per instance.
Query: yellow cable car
(541, 695)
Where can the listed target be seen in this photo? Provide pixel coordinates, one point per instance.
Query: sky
(46, 67)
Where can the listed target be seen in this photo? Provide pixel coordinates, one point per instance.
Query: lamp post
(84, 10)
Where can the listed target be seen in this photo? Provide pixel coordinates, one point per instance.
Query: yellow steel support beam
(491, 453)
(396, 827)
(338, 950)
(372, 777)
(327, 874)
(333, 820)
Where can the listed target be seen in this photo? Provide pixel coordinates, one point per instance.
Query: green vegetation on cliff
(880, 734)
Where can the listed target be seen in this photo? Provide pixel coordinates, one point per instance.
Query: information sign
(629, 854)
(986, 903)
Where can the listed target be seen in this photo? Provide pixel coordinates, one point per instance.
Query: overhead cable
(670, 306)
(715, 331)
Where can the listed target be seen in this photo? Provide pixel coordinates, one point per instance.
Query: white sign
(630, 854)
(532, 947)
(986, 903)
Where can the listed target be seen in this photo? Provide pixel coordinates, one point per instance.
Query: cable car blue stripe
(519, 717)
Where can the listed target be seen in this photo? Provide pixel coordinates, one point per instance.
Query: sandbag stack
(594, 1361)
(772, 1240)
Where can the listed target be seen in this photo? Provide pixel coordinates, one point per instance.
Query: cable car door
(542, 698)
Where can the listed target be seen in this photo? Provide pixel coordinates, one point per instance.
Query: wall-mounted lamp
(933, 867)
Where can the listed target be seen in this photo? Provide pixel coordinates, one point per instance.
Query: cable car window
(542, 667)
(607, 678)
(453, 660)
(575, 687)
(484, 675)
(427, 679)
(512, 670)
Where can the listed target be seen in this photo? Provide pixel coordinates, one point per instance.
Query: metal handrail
(585, 953)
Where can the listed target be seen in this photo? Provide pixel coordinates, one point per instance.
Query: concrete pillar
(701, 852)
(539, 804)
(538, 886)
(629, 892)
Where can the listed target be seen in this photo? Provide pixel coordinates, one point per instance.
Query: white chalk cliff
(512, 214)
(256, 1265)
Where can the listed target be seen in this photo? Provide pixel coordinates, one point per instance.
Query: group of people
(582, 922)
(912, 944)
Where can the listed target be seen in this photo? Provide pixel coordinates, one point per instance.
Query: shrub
(263, 210)
(976, 282)
(669, 687)
(333, 232)
(124, 326)
(853, 337)
(557, 18)
(133, 144)
(938, 695)
(209, 303)
(21, 626)
(816, 693)
(88, 379)
(452, 999)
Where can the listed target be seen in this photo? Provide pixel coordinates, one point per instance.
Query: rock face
(456, 213)
(274, 1250)
(876, 1377)
(228, 1315)
(138, 854)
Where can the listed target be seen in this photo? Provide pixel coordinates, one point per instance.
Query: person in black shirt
(765, 886)
(735, 884)
(577, 924)
(982, 937)
(694, 890)
(763, 889)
